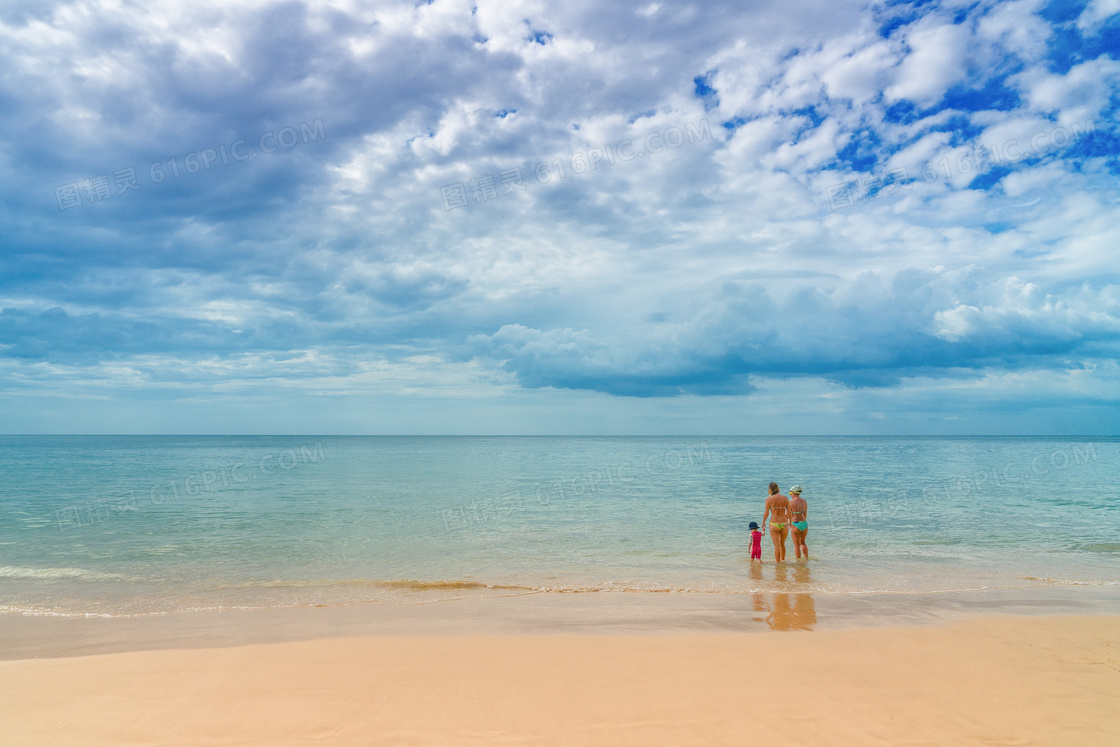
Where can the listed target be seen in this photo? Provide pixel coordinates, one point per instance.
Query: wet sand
(496, 613)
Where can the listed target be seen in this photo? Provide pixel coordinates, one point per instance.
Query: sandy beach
(988, 680)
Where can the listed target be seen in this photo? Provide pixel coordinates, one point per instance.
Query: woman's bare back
(779, 508)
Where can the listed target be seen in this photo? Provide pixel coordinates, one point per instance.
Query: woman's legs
(796, 537)
(779, 537)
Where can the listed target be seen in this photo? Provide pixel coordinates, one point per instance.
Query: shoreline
(993, 680)
(542, 613)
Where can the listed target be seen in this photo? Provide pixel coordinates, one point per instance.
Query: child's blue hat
(753, 525)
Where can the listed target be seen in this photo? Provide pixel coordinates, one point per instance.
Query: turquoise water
(139, 525)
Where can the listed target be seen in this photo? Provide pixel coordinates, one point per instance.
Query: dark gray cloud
(868, 333)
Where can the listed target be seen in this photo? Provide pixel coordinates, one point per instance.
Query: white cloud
(938, 59)
(1013, 27)
(1096, 13)
(860, 75)
(1079, 95)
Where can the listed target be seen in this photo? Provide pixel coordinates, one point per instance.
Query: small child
(756, 541)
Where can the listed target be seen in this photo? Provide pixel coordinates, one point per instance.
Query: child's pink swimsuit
(756, 545)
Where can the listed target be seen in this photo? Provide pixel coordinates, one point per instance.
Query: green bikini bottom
(801, 526)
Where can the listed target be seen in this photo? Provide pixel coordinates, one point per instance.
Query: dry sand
(997, 680)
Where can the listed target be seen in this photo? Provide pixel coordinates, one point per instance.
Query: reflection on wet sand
(785, 610)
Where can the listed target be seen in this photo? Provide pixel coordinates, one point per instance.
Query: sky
(525, 217)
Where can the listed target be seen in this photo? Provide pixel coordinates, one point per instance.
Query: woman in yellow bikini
(779, 521)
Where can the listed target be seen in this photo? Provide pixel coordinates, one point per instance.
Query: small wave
(448, 585)
(36, 612)
(201, 605)
(402, 584)
(1071, 581)
(11, 571)
(560, 586)
(1102, 547)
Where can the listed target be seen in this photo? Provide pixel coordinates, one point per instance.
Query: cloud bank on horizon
(522, 216)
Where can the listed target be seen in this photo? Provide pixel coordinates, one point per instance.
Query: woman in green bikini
(779, 521)
(799, 507)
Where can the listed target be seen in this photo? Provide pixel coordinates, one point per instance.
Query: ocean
(144, 525)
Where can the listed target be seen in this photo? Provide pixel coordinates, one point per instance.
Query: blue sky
(808, 216)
